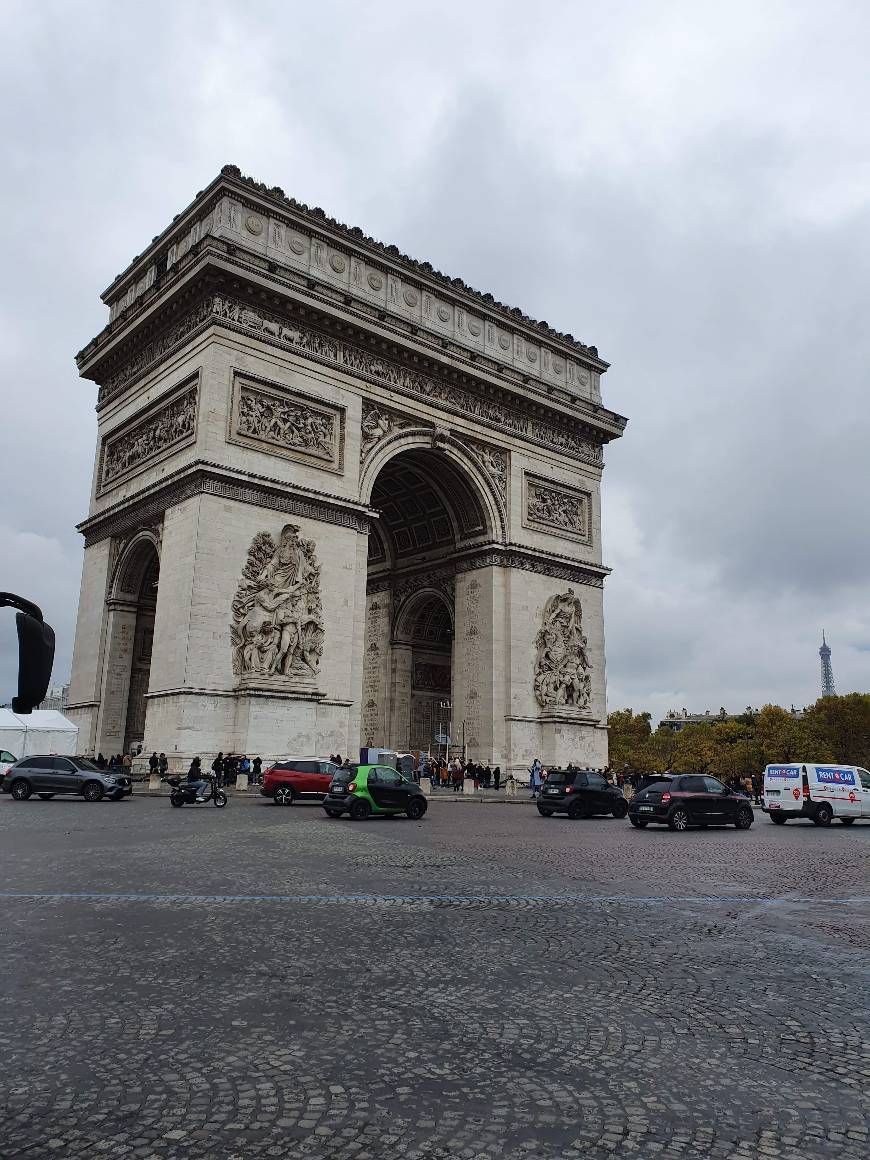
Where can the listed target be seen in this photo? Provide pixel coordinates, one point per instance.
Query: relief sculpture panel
(277, 616)
(562, 666)
(137, 445)
(561, 511)
(278, 421)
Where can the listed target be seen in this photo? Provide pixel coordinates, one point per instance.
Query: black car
(50, 775)
(690, 799)
(580, 795)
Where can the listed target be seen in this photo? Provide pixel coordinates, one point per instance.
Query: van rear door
(864, 778)
(782, 787)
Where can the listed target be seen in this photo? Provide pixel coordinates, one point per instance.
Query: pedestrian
(127, 761)
(162, 765)
(153, 762)
(341, 764)
(456, 776)
(217, 768)
(246, 765)
(231, 768)
(257, 771)
(757, 786)
(535, 777)
(496, 778)
(100, 762)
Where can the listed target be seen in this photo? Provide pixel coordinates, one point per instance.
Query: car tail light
(666, 797)
(806, 790)
(351, 787)
(569, 788)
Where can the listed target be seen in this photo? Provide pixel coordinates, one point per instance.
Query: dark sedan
(690, 799)
(580, 795)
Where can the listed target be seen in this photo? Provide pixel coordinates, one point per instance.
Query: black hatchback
(580, 795)
(690, 799)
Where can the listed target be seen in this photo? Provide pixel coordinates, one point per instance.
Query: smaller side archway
(421, 670)
(131, 608)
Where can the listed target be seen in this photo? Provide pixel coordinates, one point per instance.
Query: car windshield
(83, 763)
(344, 775)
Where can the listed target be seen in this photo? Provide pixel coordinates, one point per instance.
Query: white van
(818, 792)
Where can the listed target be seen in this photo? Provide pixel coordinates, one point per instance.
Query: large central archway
(431, 507)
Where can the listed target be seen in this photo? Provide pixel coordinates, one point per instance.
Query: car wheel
(639, 823)
(284, 795)
(847, 821)
(824, 815)
(93, 791)
(333, 813)
(416, 808)
(679, 821)
(744, 819)
(778, 819)
(46, 797)
(575, 811)
(21, 789)
(620, 809)
(220, 799)
(545, 813)
(360, 810)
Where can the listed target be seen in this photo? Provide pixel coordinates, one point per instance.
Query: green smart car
(364, 790)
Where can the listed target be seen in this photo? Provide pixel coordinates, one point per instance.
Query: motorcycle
(184, 793)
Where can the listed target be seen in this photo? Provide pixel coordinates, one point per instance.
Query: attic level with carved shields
(339, 498)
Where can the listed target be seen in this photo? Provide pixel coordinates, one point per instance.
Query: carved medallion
(338, 263)
(254, 225)
(444, 313)
(562, 667)
(277, 616)
(375, 280)
(410, 296)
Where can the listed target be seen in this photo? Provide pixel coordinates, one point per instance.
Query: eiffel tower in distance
(828, 689)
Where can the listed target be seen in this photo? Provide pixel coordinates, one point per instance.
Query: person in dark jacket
(217, 768)
(195, 778)
(231, 768)
(257, 771)
(163, 765)
(101, 761)
(496, 777)
(153, 762)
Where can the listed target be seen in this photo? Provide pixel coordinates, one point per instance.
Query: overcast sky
(685, 185)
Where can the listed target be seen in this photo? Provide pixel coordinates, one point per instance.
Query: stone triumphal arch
(338, 499)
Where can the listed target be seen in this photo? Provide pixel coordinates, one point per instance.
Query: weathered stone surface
(440, 460)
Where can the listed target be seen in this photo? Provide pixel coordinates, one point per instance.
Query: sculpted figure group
(562, 668)
(277, 626)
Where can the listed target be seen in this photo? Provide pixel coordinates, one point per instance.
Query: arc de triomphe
(335, 490)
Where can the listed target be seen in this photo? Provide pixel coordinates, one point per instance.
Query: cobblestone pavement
(264, 982)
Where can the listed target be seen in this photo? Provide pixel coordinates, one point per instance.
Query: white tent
(42, 731)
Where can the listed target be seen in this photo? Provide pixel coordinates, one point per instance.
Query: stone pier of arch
(335, 491)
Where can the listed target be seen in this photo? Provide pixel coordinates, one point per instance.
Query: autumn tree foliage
(834, 729)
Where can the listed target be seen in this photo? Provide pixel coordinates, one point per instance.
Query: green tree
(840, 727)
(629, 735)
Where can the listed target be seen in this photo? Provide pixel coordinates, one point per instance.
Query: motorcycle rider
(195, 778)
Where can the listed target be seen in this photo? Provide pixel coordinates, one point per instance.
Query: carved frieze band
(274, 419)
(137, 445)
(444, 578)
(357, 361)
(557, 509)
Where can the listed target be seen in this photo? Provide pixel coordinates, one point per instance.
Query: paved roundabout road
(486, 983)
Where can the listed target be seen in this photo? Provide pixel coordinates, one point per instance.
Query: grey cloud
(683, 186)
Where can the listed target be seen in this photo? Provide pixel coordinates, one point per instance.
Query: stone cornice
(494, 555)
(133, 354)
(149, 266)
(203, 478)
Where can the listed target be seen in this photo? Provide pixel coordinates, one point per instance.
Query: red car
(295, 779)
